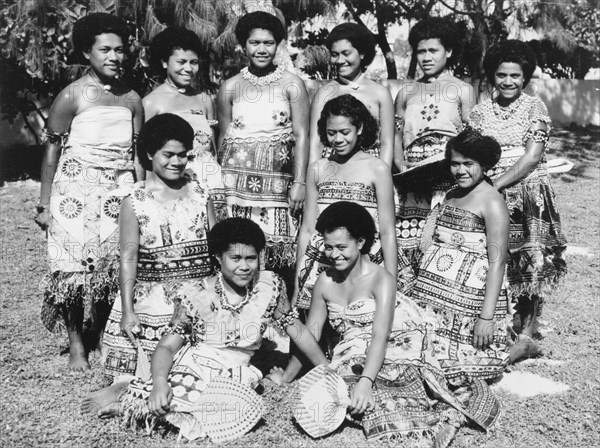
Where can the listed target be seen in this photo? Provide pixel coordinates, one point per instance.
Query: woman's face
(106, 55)
(239, 264)
(509, 80)
(467, 172)
(261, 47)
(342, 135)
(169, 162)
(346, 59)
(432, 57)
(342, 249)
(182, 67)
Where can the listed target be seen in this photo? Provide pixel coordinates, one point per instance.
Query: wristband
(363, 376)
(483, 318)
(299, 182)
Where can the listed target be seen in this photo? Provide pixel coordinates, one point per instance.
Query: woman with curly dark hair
(429, 111)
(263, 149)
(87, 169)
(521, 125)
(349, 174)
(176, 53)
(352, 49)
(462, 274)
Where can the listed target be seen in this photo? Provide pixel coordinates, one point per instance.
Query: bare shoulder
(492, 201)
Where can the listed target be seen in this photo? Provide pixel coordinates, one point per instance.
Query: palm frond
(206, 31)
(226, 41)
(205, 10)
(152, 25)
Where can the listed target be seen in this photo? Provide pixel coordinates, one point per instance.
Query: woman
(461, 279)
(429, 111)
(351, 49)
(87, 169)
(521, 125)
(163, 226)
(176, 53)
(263, 123)
(350, 174)
(396, 386)
(217, 326)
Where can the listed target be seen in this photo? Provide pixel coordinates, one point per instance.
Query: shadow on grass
(578, 145)
(20, 162)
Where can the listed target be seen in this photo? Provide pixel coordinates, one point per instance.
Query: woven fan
(321, 401)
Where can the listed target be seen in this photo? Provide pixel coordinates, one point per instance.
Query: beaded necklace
(96, 79)
(225, 305)
(504, 113)
(261, 81)
(171, 84)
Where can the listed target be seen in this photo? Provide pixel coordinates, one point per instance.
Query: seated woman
(162, 228)
(395, 384)
(462, 274)
(217, 326)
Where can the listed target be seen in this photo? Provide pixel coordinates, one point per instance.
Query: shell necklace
(171, 84)
(96, 79)
(261, 81)
(506, 112)
(225, 305)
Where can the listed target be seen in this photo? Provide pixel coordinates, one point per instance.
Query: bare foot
(78, 360)
(524, 348)
(95, 402)
(112, 410)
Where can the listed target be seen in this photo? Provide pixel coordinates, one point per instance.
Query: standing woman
(176, 53)
(351, 49)
(87, 169)
(263, 123)
(429, 111)
(521, 125)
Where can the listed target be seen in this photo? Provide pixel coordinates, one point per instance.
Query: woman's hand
(296, 196)
(483, 333)
(130, 325)
(160, 397)
(276, 375)
(43, 219)
(361, 398)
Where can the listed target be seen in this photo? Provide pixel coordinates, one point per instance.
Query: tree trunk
(390, 62)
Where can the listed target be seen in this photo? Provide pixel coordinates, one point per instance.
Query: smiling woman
(87, 169)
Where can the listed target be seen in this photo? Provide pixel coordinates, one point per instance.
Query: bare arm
(316, 147)
(316, 319)
(309, 220)
(387, 218)
(497, 223)
(400, 105)
(138, 120)
(387, 134)
(162, 361)
(210, 115)
(299, 105)
(224, 110)
(385, 294)
(527, 163)
(59, 122)
(468, 99)
(129, 242)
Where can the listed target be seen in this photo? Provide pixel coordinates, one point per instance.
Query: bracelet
(364, 376)
(483, 318)
(299, 182)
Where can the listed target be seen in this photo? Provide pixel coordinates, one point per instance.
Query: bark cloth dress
(219, 342)
(410, 391)
(257, 156)
(94, 174)
(536, 242)
(173, 253)
(430, 120)
(451, 287)
(202, 165)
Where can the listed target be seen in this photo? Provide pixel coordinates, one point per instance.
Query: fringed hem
(280, 254)
(541, 288)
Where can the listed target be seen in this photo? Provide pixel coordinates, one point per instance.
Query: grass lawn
(40, 400)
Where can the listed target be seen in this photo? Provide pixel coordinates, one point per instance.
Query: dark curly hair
(358, 114)
(159, 130)
(513, 51)
(170, 39)
(233, 231)
(261, 20)
(350, 216)
(441, 28)
(470, 143)
(87, 28)
(360, 37)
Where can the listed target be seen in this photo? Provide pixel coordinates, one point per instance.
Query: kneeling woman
(217, 326)
(397, 389)
(461, 277)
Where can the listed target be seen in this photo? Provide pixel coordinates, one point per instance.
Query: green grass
(40, 399)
